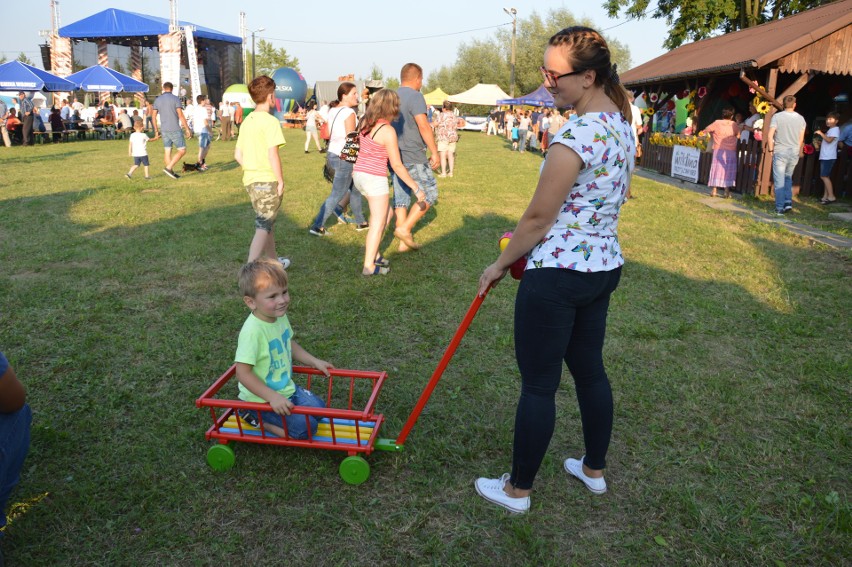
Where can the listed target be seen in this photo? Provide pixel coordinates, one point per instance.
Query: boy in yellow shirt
(257, 153)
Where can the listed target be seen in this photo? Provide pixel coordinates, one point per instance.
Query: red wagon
(348, 422)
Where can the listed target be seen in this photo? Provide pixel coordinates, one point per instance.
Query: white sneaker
(492, 490)
(575, 467)
(284, 261)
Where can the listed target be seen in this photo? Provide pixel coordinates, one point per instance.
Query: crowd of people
(528, 129)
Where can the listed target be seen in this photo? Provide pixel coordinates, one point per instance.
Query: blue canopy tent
(219, 54)
(17, 76)
(103, 79)
(539, 97)
(112, 23)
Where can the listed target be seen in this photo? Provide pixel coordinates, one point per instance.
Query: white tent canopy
(481, 94)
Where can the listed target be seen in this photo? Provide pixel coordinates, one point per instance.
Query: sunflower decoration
(650, 111)
(762, 107)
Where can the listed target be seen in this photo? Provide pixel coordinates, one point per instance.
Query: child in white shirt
(828, 155)
(201, 124)
(138, 149)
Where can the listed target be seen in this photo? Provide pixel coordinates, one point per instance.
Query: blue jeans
(341, 184)
(560, 317)
(784, 161)
(297, 424)
(14, 444)
(522, 138)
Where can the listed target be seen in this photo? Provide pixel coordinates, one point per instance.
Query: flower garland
(669, 140)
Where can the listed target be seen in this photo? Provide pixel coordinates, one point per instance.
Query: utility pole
(513, 13)
(258, 30)
(243, 46)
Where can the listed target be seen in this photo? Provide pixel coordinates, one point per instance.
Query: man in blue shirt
(846, 134)
(170, 111)
(26, 111)
(415, 135)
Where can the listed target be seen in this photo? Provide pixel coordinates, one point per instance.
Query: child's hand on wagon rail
(280, 404)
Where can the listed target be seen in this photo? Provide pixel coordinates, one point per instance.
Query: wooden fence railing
(806, 181)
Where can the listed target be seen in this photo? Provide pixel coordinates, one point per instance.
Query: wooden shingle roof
(758, 47)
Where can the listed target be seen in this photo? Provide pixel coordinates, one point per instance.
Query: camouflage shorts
(265, 202)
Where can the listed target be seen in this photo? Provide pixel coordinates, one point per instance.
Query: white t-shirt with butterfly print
(584, 236)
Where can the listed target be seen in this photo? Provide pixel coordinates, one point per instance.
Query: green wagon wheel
(354, 470)
(220, 457)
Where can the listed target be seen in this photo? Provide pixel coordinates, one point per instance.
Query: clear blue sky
(337, 21)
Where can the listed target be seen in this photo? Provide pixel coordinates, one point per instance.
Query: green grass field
(728, 351)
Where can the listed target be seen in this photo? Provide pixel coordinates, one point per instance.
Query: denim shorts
(203, 139)
(825, 167)
(265, 202)
(140, 160)
(422, 174)
(297, 424)
(173, 139)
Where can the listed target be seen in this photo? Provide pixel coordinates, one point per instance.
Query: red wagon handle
(442, 365)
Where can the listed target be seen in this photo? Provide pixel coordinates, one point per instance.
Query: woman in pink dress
(723, 171)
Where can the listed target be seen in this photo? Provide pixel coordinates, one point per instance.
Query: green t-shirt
(266, 347)
(259, 132)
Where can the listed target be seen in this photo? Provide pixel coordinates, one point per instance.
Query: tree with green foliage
(693, 20)
(392, 83)
(3, 59)
(376, 73)
(488, 61)
(267, 58)
(24, 59)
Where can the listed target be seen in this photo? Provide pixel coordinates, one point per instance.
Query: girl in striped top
(379, 146)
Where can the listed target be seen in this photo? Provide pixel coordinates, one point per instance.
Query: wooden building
(808, 55)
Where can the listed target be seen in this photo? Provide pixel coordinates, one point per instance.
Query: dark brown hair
(586, 50)
(727, 113)
(343, 90)
(260, 88)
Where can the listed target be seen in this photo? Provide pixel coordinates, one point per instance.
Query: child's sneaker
(127, 175)
(492, 490)
(321, 231)
(575, 467)
(362, 226)
(284, 261)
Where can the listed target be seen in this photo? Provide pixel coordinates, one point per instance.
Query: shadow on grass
(117, 339)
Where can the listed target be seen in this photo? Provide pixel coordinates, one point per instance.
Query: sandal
(381, 261)
(377, 271)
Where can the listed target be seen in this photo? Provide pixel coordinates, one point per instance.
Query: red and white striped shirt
(372, 157)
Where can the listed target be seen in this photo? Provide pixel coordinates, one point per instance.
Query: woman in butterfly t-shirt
(574, 263)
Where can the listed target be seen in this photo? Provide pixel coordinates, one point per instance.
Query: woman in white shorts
(379, 145)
